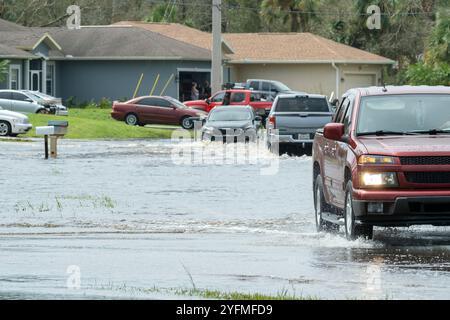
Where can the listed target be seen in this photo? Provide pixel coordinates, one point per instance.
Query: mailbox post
(54, 131)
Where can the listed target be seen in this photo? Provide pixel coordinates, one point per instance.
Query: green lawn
(97, 124)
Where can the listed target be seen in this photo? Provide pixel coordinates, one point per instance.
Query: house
(95, 62)
(303, 61)
(98, 62)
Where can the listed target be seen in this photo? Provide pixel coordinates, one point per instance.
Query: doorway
(187, 77)
(35, 80)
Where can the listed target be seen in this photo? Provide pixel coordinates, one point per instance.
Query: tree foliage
(413, 31)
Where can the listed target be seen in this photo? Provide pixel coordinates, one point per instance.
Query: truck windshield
(404, 114)
(230, 115)
(302, 104)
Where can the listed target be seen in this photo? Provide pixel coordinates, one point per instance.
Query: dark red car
(155, 110)
(384, 161)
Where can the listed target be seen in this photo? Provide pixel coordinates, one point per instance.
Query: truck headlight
(377, 179)
(367, 159)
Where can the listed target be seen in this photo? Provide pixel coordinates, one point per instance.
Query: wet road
(138, 220)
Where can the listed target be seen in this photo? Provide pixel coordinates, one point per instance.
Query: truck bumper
(406, 210)
(288, 139)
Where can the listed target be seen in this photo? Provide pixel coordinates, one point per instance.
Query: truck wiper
(432, 132)
(385, 133)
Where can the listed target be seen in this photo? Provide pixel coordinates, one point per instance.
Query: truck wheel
(5, 129)
(187, 123)
(320, 207)
(132, 119)
(352, 230)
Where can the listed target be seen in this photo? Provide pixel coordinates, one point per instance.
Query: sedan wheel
(132, 120)
(5, 129)
(187, 123)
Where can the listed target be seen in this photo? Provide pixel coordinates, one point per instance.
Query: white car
(53, 104)
(13, 123)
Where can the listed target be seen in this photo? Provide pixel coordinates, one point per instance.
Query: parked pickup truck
(259, 101)
(294, 120)
(384, 161)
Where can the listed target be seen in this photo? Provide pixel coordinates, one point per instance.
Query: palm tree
(298, 13)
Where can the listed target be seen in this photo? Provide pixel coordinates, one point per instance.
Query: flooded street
(139, 224)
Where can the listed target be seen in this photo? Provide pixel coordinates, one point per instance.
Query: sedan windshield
(403, 114)
(230, 115)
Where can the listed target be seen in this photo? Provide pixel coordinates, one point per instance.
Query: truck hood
(407, 145)
(11, 114)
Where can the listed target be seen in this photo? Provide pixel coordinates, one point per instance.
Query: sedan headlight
(367, 159)
(379, 179)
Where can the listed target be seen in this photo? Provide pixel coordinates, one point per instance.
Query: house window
(50, 81)
(14, 77)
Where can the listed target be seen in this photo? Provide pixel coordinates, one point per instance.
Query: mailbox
(60, 127)
(54, 130)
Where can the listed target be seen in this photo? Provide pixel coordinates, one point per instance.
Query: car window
(5, 95)
(265, 86)
(218, 97)
(164, 103)
(340, 111)
(147, 102)
(254, 85)
(238, 97)
(19, 96)
(347, 120)
(302, 104)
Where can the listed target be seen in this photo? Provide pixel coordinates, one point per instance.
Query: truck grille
(428, 177)
(423, 161)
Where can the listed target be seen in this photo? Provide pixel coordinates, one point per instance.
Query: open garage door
(354, 80)
(187, 77)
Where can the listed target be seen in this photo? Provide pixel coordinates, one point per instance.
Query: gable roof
(179, 32)
(269, 47)
(296, 48)
(122, 43)
(7, 52)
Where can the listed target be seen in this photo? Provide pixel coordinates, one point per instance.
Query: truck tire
(320, 206)
(352, 230)
(5, 129)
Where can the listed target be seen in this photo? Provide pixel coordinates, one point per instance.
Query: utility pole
(217, 71)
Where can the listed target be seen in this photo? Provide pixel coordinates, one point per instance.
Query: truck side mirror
(334, 131)
(208, 101)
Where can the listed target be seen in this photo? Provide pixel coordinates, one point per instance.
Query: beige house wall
(311, 78)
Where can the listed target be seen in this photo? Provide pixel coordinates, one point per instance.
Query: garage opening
(188, 77)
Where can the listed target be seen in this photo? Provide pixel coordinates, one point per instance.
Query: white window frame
(17, 67)
(53, 65)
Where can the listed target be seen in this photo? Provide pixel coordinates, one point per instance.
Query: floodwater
(134, 219)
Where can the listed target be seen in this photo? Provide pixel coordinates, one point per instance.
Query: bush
(432, 75)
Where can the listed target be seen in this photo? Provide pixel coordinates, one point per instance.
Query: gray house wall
(114, 80)
(5, 84)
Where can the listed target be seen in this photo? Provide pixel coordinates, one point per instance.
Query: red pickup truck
(384, 161)
(260, 101)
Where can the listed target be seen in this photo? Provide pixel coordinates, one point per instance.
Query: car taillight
(273, 121)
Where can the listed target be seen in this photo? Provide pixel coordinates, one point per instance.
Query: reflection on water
(126, 213)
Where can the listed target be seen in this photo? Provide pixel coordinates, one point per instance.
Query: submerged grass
(94, 123)
(202, 293)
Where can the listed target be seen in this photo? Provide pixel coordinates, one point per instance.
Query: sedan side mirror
(334, 131)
